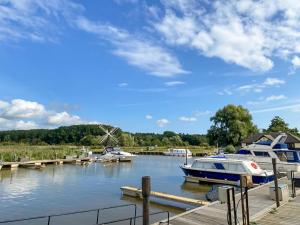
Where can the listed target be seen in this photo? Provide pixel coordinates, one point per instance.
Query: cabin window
(290, 156)
(235, 167)
(262, 154)
(244, 152)
(204, 165)
(281, 156)
(219, 166)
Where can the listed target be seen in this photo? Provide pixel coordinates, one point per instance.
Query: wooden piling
(146, 190)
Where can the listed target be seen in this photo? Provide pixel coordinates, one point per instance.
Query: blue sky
(147, 66)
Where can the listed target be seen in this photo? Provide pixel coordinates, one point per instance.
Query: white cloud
(6, 124)
(19, 108)
(41, 21)
(259, 87)
(273, 81)
(64, 118)
(275, 98)
(202, 113)
(187, 119)
(3, 104)
(136, 50)
(292, 108)
(226, 91)
(33, 19)
(162, 122)
(174, 83)
(271, 98)
(248, 33)
(295, 64)
(23, 114)
(123, 84)
(125, 1)
(148, 117)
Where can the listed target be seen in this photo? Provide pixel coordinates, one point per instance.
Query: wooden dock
(215, 213)
(288, 214)
(32, 163)
(135, 192)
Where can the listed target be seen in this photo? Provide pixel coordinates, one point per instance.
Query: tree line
(91, 135)
(230, 126)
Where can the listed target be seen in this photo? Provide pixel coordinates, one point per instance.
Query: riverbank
(14, 153)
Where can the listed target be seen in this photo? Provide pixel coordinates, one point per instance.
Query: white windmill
(109, 134)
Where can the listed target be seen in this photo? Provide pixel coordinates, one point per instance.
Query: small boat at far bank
(117, 153)
(227, 169)
(180, 152)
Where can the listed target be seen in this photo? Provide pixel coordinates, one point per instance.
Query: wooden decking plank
(216, 213)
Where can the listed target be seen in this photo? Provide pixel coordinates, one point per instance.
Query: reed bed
(15, 153)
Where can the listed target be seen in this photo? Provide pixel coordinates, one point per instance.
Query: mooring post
(275, 182)
(186, 157)
(146, 189)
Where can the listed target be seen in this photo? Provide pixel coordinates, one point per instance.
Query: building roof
(290, 137)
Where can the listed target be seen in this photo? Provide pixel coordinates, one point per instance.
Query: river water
(58, 189)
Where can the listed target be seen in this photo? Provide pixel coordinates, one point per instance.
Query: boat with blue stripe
(227, 169)
(263, 152)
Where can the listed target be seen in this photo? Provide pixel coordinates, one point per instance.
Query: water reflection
(65, 188)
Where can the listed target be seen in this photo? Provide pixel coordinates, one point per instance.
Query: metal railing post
(135, 211)
(49, 218)
(234, 206)
(247, 206)
(98, 211)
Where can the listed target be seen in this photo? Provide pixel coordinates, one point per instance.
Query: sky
(147, 65)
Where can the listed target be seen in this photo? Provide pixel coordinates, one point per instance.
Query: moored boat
(117, 152)
(180, 152)
(227, 169)
(263, 152)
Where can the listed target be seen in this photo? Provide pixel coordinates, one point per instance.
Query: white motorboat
(180, 152)
(117, 152)
(263, 152)
(227, 169)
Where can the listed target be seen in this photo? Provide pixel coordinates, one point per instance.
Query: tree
(127, 140)
(230, 126)
(279, 125)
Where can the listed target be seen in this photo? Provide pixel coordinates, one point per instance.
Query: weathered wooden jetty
(135, 192)
(215, 213)
(288, 214)
(37, 163)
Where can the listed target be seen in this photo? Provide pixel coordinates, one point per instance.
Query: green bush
(229, 149)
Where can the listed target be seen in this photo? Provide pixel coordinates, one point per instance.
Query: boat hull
(177, 154)
(225, 176)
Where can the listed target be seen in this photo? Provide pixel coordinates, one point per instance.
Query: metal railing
(49, 217)
(132, 220)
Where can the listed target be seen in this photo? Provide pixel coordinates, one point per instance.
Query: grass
(13, 153)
